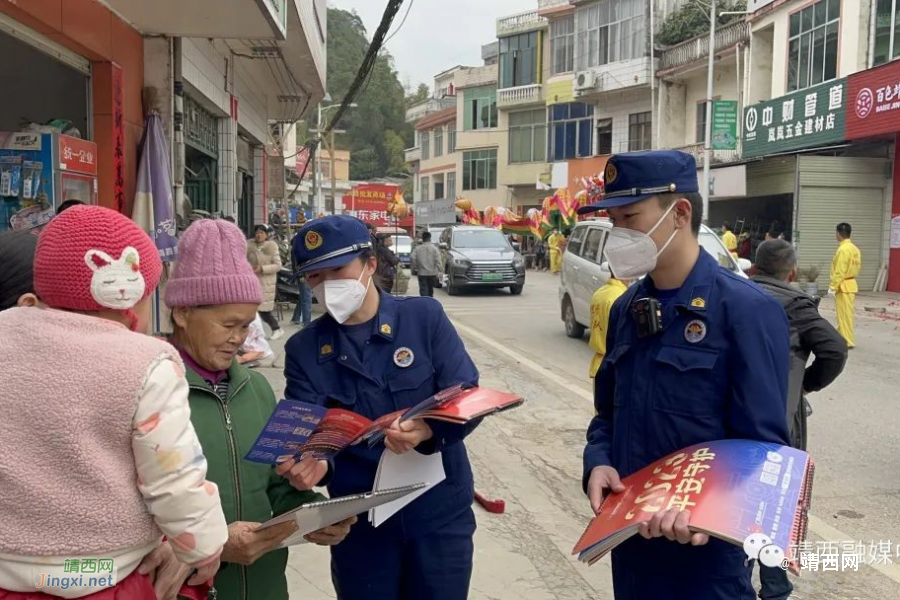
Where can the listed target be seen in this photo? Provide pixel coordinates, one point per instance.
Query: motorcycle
(286, 287)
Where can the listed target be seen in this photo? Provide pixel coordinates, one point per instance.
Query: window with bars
(438, 186)
(438, 142)
(426, 145)
(480, 110)
(813, 44)
(701, 122)
(609, 31)
(451, 184)
(528, 136)
(480, 170)
(451, 138)
(887, 31)
(562, 45)
(639, 132)
(518, 60)
(570, 130)
(604, 136)
(424, 188)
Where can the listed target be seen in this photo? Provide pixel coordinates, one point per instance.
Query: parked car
(402, 248)
(477, 256)
(582, 275)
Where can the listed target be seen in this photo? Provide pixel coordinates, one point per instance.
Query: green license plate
(492, 276)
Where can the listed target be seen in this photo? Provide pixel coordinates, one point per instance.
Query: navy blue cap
(635, 176)
(330, 242)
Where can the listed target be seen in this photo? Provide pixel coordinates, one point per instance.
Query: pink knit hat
(212, 268)
(93, 259)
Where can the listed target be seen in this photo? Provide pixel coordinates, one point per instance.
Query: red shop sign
(369, 203)
(77, 155)
(873, 102)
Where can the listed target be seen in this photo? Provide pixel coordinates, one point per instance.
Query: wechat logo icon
(759, 546)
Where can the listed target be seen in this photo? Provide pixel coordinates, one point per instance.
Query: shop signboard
(435, 212)
(77, 155)
(724, 125)
(276, 176)
(807, 118)
(874, 102)
(369, 202)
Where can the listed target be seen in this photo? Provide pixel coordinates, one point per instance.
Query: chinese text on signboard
(724, 125)
(873, 99)
(804, 119)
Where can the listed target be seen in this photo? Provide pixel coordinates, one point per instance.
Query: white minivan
(581, 273)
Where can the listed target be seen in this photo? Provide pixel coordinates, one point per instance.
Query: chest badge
(695, 332)
(404, 357)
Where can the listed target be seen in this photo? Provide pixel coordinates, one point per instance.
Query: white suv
(582, 275)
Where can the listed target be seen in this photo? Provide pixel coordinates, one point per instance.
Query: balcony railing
(717, 157)
(697, 48)
(432, 105)
(412, 155)
(523, 94)
(520, 23)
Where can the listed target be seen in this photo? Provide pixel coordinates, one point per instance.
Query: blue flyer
(288, 429)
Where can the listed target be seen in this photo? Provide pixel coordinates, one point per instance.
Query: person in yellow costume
(601, 305)
(553, 242)
(844, 270)
(729, 239)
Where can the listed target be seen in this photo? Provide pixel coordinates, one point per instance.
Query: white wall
(725, 87)
(619, 106)
(203, 68)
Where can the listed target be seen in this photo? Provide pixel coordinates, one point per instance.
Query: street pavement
(531, 457)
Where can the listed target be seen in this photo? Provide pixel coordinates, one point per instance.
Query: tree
(381, 105)
(422, 94)
(692, 19)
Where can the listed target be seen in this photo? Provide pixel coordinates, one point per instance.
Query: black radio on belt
(647, 315)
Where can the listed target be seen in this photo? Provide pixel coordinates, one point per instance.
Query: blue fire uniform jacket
(718, 370)
(323, 367)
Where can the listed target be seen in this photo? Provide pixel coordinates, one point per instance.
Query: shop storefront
(874, 114)
(201, 154)
(806, 178)
(75, 69)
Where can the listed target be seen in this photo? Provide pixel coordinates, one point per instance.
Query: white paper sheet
(398, 470)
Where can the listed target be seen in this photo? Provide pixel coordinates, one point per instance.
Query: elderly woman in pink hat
(214, 296)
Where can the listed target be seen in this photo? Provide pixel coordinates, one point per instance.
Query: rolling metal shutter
(837, 189)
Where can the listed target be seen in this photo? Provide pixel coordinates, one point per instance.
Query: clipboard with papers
(317, 515)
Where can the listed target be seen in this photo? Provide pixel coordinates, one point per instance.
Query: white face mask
(632, 254)
(342, 297)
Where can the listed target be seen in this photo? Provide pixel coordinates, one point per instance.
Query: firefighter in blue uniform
(694, 354)
(374, 354)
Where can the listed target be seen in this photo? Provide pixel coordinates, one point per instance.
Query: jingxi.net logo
(759, 546)
(74, 573)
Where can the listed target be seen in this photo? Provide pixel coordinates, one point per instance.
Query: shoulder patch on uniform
(326, 349)
(386, 329)
(698, 303)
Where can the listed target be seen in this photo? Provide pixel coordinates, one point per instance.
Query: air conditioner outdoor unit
(586, 80)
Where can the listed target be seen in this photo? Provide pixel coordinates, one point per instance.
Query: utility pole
(707, 146)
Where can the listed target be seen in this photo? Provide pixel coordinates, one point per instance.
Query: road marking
(523, 360)
(816, 525)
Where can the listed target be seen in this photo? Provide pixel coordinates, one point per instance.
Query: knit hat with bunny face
(94, 259)
(212, 268)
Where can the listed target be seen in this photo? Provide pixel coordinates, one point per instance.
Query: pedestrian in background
(729, 239)
(388, 263)
(776, 267)
(540, 255)
(694, 354)
(427, 262)
(601, 305)
(554, 242)
(843, 286)
(265, 258)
